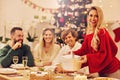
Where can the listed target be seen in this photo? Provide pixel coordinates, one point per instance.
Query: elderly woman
(46, 50)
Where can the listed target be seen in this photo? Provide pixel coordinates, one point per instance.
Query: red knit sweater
(102, 61)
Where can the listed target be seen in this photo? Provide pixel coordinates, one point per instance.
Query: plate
(7, 71)
(18, 66)
(105, 78)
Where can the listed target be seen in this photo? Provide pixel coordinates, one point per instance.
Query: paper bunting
(38, 7)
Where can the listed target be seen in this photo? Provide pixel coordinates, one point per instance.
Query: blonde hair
(41, 43)
(95, 40)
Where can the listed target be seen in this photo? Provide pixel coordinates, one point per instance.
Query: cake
(69, 63)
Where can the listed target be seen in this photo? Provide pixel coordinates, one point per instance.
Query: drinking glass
(15, 59)
(25, 61)
(26, 74)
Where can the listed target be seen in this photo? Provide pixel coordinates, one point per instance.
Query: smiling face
(48, 36)
(92, 18)
(17, 36)
(70, 40)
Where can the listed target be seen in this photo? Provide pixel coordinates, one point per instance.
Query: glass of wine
(26, 72)
(15, 59)
(25, 61)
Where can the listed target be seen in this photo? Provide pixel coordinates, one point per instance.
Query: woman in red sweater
(98, 50)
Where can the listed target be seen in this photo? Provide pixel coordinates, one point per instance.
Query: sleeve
(58, 57)
(35, 52)
(29, 55)
(6, 55)
(56, 51)
(36, 55)
(107, 50)
(83, 49)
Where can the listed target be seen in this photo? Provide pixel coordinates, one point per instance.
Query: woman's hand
(47, 63)
(84, 59)
(58, 69)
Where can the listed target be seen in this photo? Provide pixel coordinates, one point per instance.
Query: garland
(39, 8)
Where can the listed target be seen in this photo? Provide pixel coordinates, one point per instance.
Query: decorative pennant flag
(32, 4)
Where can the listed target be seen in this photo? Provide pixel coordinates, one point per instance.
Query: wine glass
(26, 72)
(25, 61)
(15, 59)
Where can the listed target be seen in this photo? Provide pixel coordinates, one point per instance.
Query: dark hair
(66, 32)
(14, 29)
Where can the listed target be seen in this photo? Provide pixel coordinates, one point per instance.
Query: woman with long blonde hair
(98, 50)
(46, 50)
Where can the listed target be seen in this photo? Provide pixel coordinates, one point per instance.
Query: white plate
(105, 78)
(18, 66)
(7, 71)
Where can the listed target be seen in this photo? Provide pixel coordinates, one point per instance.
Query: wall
(16, 13)
(110, 9)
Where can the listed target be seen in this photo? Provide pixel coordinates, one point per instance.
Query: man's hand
(16, 45)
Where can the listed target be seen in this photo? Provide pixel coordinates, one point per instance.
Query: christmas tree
(71, 11)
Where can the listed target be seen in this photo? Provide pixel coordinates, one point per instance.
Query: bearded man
(15, 47)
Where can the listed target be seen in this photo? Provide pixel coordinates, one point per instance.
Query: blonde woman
(46, 50)
(98, 50)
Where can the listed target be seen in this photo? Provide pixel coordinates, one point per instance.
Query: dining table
(38, 73)
(31, 73)
(7, 75)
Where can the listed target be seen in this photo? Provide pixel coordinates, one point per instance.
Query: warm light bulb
(72, 0)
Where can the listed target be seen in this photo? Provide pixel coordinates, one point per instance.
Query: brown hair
(66, 32)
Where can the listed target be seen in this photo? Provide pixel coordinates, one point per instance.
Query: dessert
(69, 63)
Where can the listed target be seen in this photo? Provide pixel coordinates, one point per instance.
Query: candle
(4, 34)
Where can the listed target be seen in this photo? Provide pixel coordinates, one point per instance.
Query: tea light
(80, 77)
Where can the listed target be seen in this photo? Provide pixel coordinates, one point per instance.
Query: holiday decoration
(72, 11)
(38, 7)
(116, 30)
